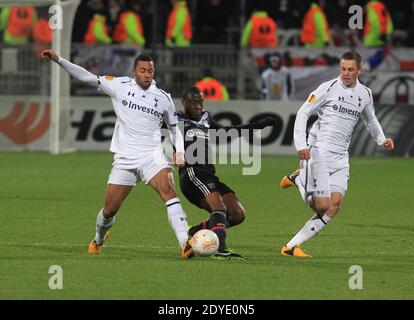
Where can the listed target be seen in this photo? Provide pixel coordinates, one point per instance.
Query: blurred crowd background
(222, 21)
(244, 49)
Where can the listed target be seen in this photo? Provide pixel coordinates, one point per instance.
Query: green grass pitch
(48, 207)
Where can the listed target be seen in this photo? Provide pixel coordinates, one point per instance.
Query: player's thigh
(123, 177)
(163, 183)
(120, 183)
(197, 185)
(154, 169)
(339, 176)
(314, 175)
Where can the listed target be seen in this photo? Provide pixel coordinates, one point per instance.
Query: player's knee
(236, 216)
(320, 207)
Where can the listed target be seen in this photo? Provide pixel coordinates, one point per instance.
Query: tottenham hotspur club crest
(156, 103)
(359, 101)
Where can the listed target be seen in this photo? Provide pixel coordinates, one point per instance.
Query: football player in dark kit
(198, 180)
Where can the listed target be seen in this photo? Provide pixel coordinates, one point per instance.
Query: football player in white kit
(140, 108)
(322, 179)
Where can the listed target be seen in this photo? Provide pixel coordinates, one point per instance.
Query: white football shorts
(325, 172)
(127, 171)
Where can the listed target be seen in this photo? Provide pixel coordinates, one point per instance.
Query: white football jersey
(140, 114)
(277, 84)
(339, 109)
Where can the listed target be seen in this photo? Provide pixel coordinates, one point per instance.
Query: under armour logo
(341, 98)
(131, 93)
(156, 102)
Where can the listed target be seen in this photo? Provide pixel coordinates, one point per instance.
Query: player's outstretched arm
(260, 124)
(71, 68)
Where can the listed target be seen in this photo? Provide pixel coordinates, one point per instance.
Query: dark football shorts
(197, 184)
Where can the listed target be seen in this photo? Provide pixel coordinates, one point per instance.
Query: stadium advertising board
(24, 124)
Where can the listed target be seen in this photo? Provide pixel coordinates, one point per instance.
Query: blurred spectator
(338, 19)
(84, 13)
(378, 25)
(211, 21)
(128, 29)
(212, 88)
(315, 28)
(260, 31)
(287, 13)
(179, 30)
(42, 34)
(113, 10)
(398, 11)
(17, 23)
(277, 82)
(97, 32)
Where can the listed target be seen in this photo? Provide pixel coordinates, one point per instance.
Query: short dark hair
(191, 90)
(352, 55)
(142, 57)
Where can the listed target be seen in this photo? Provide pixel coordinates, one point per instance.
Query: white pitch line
(38, 244)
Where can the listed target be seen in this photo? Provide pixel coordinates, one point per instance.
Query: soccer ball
(205, 243)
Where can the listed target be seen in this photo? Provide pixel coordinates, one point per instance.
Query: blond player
(322, 179)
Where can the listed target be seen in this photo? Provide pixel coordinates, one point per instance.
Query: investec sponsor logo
(134, 106)
(342, 109)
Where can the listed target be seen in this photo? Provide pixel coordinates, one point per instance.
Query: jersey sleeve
(170, 114)
(171, 118)
(108, 84)
(371, 122)
(314, 102)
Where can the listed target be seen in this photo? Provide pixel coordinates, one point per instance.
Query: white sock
(102, 226)
(306, 197)
(311, 228)
(178, 220)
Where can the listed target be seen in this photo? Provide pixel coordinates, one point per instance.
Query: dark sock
(217, 223)
(198, 227)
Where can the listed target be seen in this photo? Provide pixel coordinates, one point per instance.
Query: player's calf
(218, 224)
